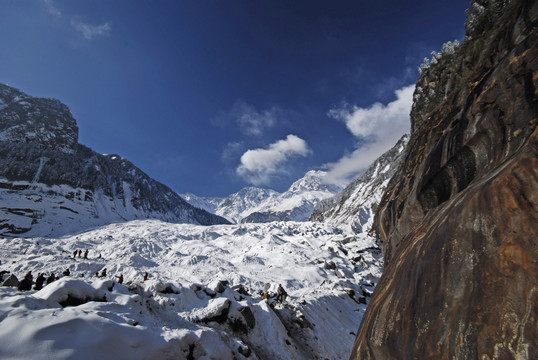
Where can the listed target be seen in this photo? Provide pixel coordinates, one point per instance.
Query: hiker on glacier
(281, 294)
(39, 281)
(26, 283)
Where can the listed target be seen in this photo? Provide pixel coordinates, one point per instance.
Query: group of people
(120, 276)
(41, 280)
(26, 283)
(79, 253)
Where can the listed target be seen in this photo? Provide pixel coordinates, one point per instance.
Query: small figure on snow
(75, 254)
(120, 278)
(67, 272)
(86, 254)
(79, 253)
(51, 278)
(103, 272)
(39, 281)
(146, 276)
(26, 283)
(281, 294)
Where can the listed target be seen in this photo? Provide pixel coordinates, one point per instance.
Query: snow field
(203, 297)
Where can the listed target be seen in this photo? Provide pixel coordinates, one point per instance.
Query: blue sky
(211, 96)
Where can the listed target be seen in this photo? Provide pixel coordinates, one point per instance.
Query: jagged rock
(11, 281)
(241, 289)
(216, 310)
(339, 273)
(303, 322)
(216, 287)
(248, 316)
(245, 351)
(459, 220)
(167, 288)
(330, 265)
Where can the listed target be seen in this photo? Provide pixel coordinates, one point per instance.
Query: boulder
(11, 281)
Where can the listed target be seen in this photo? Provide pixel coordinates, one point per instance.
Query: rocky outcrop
(459, 220)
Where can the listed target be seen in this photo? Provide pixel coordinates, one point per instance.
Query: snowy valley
(203, 298)
(211, 291)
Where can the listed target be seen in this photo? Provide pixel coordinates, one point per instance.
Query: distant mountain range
(253, 204)
(51, 184)
(309, 198)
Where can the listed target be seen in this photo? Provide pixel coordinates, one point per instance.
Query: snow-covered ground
(203, 299)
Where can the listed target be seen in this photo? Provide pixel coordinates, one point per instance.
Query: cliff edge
(459, 220)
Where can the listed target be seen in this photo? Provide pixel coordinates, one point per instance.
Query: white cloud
(258, 166)
(377, 127)
(250, 121)
(51, 8)
(90, 31)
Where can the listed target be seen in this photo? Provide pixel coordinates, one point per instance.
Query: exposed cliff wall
(459, 220)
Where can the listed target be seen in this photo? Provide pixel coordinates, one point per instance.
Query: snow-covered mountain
(297, 203)
(353, 208)
(252, 204)
(50, 184)
(203, 299)
(235, 206)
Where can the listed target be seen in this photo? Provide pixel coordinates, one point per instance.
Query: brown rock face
(459, 220)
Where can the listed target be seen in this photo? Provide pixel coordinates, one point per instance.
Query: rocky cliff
(459, 220)
(51, 184)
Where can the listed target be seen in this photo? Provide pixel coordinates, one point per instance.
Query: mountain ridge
(75, 186)
(253, 204)
(354, 206)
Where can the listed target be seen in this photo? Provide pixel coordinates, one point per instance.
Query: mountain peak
(63, 186)
(42, 122)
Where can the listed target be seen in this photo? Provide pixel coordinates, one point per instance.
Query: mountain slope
(296, 203)
(50, 184)
(354, 207)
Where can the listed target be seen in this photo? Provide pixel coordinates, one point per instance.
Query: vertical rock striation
(459, 220)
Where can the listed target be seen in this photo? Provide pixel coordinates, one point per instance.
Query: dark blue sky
(184, 89)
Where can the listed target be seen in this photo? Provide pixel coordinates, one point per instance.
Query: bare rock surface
(459, 220)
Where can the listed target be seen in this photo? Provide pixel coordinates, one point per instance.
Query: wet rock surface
(459, 220)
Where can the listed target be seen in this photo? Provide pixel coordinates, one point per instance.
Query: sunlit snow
(203, 298)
